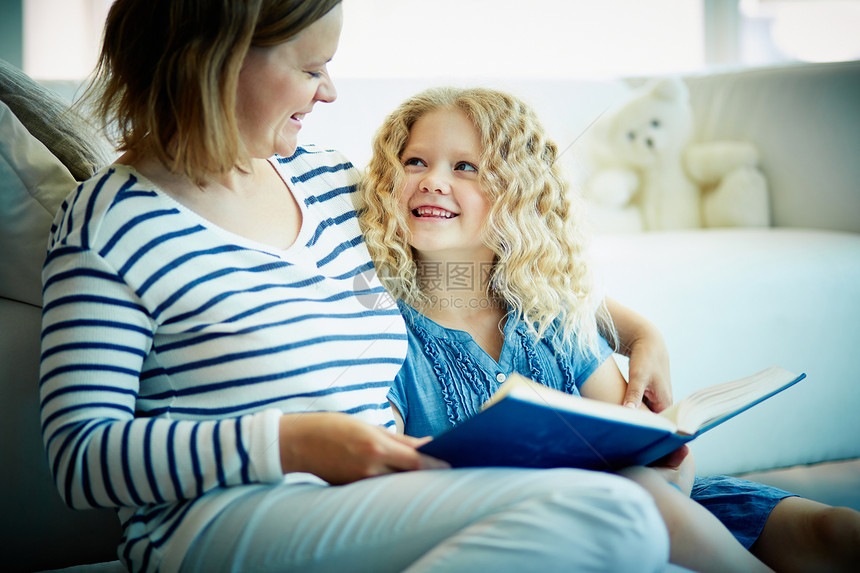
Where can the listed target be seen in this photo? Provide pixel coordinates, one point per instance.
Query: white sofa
(729, 301)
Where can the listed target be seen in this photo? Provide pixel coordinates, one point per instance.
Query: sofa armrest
(42, 531)
(805, 121)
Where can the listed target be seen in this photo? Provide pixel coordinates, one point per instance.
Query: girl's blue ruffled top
(447, 376)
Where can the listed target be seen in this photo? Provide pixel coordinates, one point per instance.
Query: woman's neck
(236, 181)
(255, 203)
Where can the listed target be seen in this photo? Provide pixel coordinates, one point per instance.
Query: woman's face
(279, 85)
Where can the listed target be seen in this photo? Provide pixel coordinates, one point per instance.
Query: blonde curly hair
(533, 227)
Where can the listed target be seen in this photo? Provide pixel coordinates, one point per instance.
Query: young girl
(472, 228)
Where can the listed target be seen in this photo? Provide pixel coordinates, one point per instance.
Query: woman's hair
(168, 71)
(533, 226)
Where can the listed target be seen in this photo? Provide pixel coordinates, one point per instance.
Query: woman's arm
(341, 449)
(103, 454)
(96, 336)
(643, 344)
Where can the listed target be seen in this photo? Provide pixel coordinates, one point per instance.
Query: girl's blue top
(447, 376)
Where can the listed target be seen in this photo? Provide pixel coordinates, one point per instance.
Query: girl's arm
(643, 344)
(398, 418)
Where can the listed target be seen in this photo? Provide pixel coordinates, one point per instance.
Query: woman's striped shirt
(170, 348)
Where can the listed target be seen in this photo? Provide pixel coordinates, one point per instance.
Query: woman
(208, 366)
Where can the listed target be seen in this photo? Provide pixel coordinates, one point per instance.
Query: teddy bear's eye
(631, 135)
(655, 123)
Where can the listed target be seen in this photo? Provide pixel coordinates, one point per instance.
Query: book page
(522, 388)
(707, 405)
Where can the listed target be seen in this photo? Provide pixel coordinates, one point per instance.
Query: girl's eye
(414, 161)
(463, 166)
(315, 75)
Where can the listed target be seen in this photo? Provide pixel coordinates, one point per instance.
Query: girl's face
(441, 199)
(279, 85)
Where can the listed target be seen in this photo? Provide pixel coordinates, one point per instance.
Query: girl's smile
(434, 212)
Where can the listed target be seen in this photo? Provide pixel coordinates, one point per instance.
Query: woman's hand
(342, 449)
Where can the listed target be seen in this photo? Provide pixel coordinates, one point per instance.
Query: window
(61, 37)
(515, 39)
(806, 30)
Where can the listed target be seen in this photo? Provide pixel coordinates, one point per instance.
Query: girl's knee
(804, 535)
(836, 526)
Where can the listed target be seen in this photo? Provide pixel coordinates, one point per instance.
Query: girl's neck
(460, 299)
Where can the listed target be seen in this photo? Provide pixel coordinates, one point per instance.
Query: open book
(526, 424)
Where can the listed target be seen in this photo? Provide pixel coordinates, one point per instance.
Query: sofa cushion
(33, 184)
(45, 147)
(48, 117)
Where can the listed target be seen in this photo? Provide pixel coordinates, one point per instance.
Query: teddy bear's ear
(670, 89)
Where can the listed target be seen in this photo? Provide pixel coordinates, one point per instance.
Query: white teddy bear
(647, 175)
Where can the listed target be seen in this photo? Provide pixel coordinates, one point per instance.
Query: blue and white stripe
(171, 347)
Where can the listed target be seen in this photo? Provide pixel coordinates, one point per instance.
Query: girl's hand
(648, 371)
(341, 449)
(678, 468)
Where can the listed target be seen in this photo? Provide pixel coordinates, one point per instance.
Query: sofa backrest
(804, 119)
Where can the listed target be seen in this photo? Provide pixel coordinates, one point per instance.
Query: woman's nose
(326, 92)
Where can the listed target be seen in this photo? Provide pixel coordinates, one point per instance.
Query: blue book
(526, 424)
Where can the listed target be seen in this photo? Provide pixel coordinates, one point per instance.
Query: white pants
(456, 520)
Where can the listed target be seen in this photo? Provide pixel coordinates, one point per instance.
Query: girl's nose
(433, 183)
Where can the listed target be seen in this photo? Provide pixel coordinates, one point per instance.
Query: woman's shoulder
(113, 198)
(310, 161)
(320, 176)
